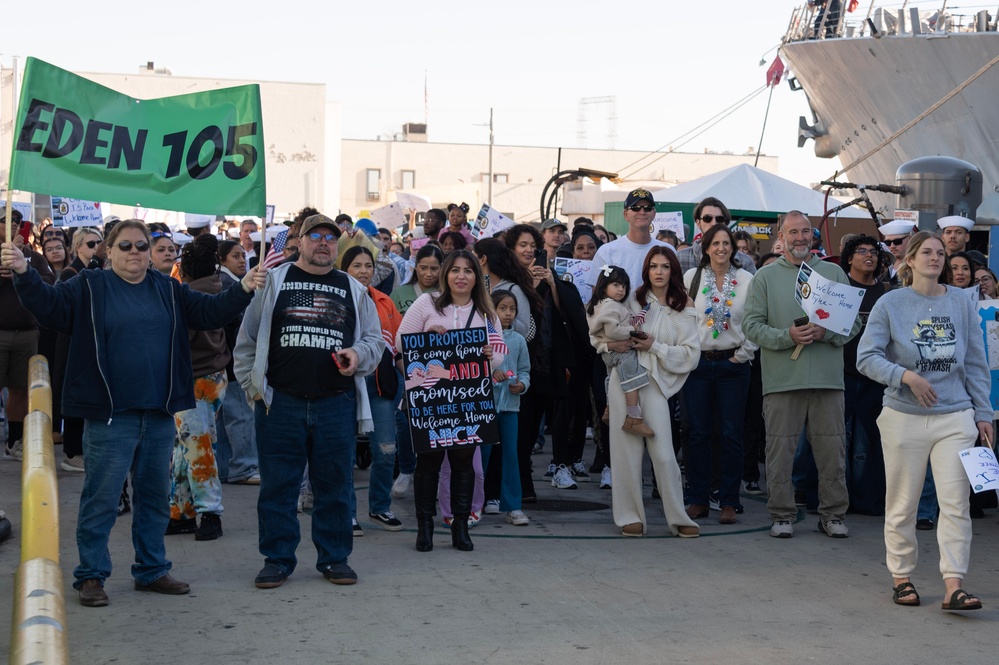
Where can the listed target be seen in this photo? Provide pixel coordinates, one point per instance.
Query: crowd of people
(182, 362)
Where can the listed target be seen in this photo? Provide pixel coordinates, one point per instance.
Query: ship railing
(815, 22)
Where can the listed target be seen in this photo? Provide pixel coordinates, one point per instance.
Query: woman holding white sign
(924, 342)
(463, 302)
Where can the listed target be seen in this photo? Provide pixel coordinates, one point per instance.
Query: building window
(372, 179)
(502, 178)
(409, 180)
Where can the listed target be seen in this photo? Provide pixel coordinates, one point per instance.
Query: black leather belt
(718, 355)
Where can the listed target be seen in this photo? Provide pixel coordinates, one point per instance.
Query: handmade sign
(828, 303)
(202, 152)
(449, 393)
(410, 201)
(74, 212)
(389, 216)
(579, 273)
(489, 222)
(988, 311)
(672, 221)
(982, 468)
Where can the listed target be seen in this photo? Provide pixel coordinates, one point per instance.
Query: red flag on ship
(776, 72)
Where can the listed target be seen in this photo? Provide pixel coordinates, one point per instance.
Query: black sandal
(959, 601)
(905, 594)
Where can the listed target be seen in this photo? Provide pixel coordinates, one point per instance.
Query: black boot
(425, 495)
(462, 483)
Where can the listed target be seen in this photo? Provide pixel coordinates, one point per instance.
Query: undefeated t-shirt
(314, 316)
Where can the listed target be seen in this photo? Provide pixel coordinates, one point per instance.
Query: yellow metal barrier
(38, 633)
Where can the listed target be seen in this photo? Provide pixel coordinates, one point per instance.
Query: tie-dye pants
(194, 476)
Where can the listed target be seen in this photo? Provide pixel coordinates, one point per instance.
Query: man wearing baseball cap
(956, 232)
(629, 250)
(309, 405)
(553, 232)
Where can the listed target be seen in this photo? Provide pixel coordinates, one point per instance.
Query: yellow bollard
(39, 386)
(38, 633)
(39, 491)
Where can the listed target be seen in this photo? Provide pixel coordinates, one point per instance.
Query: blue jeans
(236, 452)
(928, 506)
(136, 442)
(383, 448)
(510, 497)
(407, 456)
(715, 395)
(293, 432)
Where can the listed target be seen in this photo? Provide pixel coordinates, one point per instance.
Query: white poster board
(672, 221)
(489, 222)
(416, 202)
(982, 468)
(389, 216)
(579, 273)
(832, 305)
(75, 212)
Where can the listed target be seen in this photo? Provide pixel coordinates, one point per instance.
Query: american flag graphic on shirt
(315, 308)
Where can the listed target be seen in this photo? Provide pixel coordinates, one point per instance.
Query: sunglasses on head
(642, 208)
(161, 234)
(713, 218)
(126, 246)
(896, 241)
(328, 237)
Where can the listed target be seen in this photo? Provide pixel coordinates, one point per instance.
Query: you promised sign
(200, 153)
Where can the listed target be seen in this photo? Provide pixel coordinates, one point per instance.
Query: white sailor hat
(198, 221)
(955, 220)
(180, 238)
(897, 227)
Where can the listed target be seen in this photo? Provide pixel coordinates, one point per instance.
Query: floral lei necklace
(719, 302)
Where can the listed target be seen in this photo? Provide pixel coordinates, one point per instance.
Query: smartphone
(638, 334)
(541, 258)
(336, 360)
(800, 321)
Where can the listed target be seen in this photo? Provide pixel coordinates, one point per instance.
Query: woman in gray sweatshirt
(926, 345)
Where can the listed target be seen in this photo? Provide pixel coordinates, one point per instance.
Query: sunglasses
(328, 237)
(51, 233)
(92, 243)
(713, 218)
(126, 246)
(161, 234)
(642, 208)
(895, 242)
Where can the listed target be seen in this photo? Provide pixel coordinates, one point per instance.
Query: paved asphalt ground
(565, 589)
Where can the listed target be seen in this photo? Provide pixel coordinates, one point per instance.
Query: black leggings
(429, 464)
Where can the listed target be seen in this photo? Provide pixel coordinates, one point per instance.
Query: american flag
(495, 339)
(390, 342)
(276, 255)
(434, 371)
(638, 319)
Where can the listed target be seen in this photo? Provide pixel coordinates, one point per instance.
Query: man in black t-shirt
(304, 347)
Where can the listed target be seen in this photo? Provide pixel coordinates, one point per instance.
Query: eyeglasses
(51, 233)
(863, 251)
(126, 246)
(983, 280)
(92, 243)
(161, 234)
(713, 219)
(328, 237)
(896, 242)
(642, 208)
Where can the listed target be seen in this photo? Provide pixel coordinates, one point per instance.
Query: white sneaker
(589, 433)
(492, 507)
(579, 472)
(74, 463)
(551, 470)
(309, 499)
(401, 484)
(473, 519)
(605, 478)
(562, 479)
(13, 451)
(834, 529)
(781, 529)
(517, 518)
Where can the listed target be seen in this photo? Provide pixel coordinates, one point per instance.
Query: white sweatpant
(627, 452)
(908, 442)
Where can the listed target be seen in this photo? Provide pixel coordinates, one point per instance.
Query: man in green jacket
(806, 392)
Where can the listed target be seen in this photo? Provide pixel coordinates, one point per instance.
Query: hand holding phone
(541, 258)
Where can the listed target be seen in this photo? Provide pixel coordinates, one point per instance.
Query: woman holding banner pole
(462, 302)
(925, 343)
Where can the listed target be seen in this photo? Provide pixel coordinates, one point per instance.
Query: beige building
(371, 173)
(301, 133)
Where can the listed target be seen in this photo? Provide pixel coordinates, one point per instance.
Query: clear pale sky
(671, 65)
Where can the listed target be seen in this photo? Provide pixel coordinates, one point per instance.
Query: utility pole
(490, 156)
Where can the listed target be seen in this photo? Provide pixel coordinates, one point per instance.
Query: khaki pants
(910, 441)
(787, 414)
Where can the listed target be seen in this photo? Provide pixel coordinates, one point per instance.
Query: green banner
(198, 153)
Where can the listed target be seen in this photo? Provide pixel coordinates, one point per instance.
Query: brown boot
(637, 426)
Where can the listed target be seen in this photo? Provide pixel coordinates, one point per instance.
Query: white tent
(745, 187)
